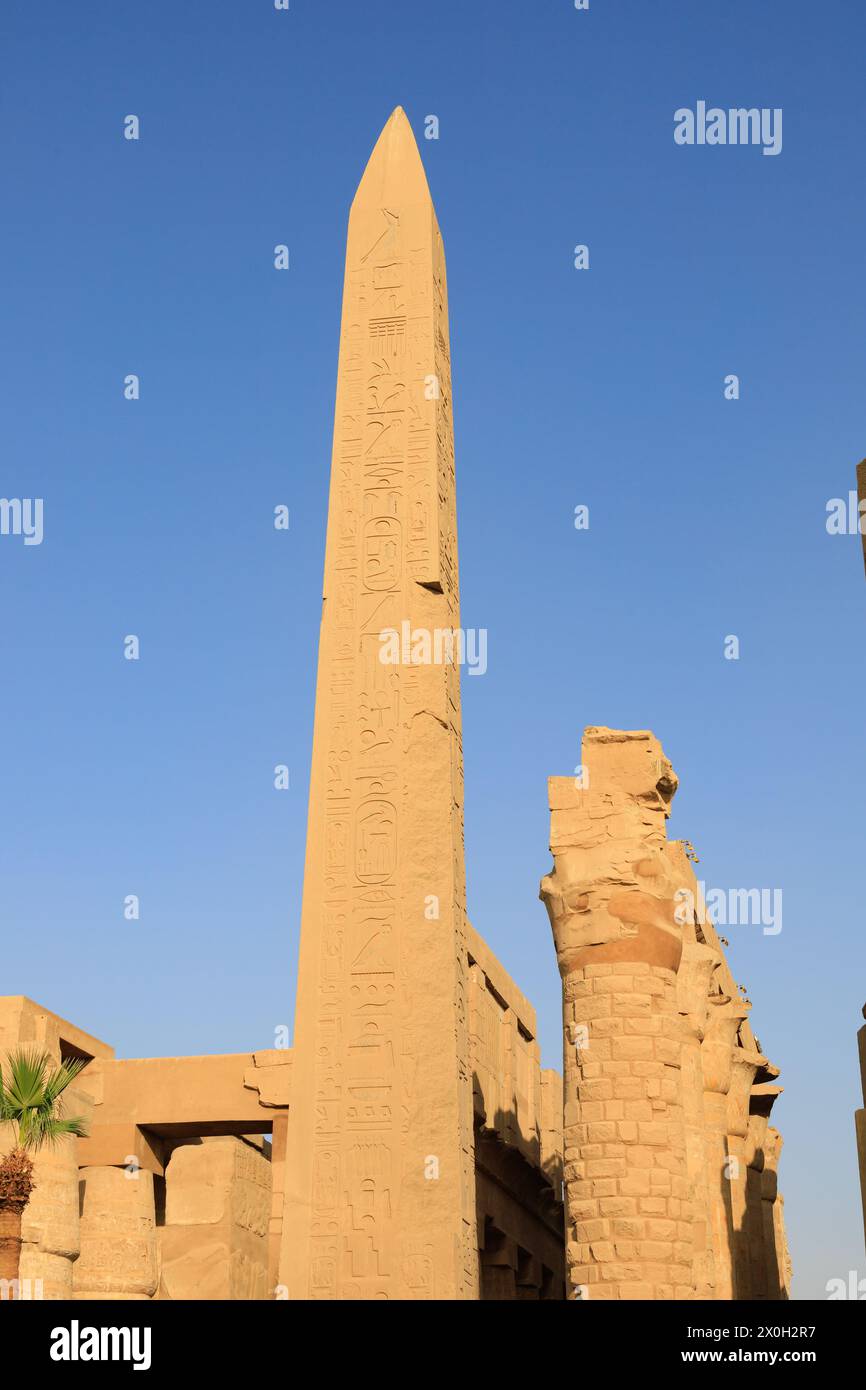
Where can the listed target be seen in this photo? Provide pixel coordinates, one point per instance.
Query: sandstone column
(717, 1054)
(767, 1278)
(745, 1065)
(611, 904)
(118, 1235)
(773, 1205)
(50, 1226)
(698, 963)
(749, 1253)
(379, 1173)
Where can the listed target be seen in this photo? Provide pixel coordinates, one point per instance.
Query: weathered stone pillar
(214, 1244)
(739, 1095)
(744, 1065)
(773, 1205)
(860, 1116)
(118, 1235)
(669, 1176)
(693, 988)
(611, 902)
(717, 1053)
(50, 1224)
(764, 1272)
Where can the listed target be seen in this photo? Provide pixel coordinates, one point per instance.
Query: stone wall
(50, 1228)
(518, 1139)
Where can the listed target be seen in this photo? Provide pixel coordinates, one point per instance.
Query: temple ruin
(409, 1145)
(670, 1163)
(178, 1190)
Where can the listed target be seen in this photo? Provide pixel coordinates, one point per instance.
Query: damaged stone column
(611, 903)
(669, 1161)
(767, 1275)
(737, 1090)
(118, 1235)
(717, 1055)
(697, 966)
(214, 1244)
(50, 1226)
(745, 1065)
(773, 1210)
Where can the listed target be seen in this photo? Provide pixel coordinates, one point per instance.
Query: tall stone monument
(380, 1189)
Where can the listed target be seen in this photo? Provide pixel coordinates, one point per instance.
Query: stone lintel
(119, 1146)
(187, 1096)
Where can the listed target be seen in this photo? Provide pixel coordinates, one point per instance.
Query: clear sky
(602, 387)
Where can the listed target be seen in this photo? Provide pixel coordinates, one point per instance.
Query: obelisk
(380, 1199)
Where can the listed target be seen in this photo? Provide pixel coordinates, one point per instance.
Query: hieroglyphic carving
(380, 1171)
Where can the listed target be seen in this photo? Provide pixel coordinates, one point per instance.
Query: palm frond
(26, 1077)
(57, 1080)
(30, 1098)
(44, 1129)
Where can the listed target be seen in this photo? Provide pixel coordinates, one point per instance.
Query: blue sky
(601, 387)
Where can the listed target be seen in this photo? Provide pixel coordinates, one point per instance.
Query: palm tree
(30, 1100)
